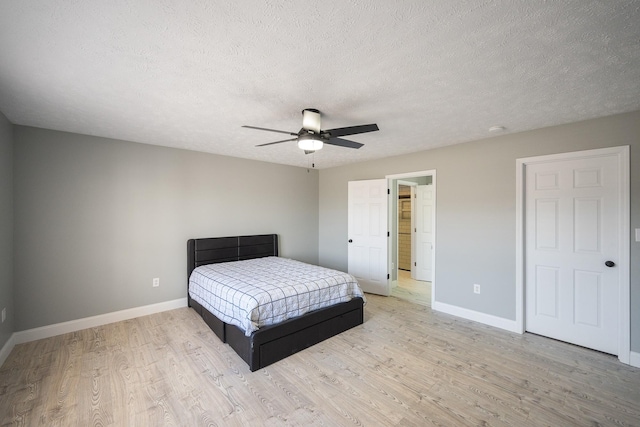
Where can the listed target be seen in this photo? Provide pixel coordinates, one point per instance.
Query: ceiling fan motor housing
(311, 120)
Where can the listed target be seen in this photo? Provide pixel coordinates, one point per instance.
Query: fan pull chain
(312, 160)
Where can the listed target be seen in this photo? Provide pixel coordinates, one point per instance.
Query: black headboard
(222, 249)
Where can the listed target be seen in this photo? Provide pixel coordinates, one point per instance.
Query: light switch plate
(637, 234)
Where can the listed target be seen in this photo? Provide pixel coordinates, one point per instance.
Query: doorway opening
(412, 236)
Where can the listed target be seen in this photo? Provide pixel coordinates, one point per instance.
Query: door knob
(350, 241)
(610, 263)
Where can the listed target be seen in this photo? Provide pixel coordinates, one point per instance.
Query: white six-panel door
(423, 229)
(571, 234)
(367, 234)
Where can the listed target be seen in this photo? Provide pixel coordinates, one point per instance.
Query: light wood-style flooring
(409, 289)
(406, 366)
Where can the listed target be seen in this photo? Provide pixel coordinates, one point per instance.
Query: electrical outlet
(4, 314)
(156, 282)
(476, 289)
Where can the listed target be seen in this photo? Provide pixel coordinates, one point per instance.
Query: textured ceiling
(188, 74)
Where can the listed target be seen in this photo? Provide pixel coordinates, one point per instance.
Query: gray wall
(476, 217)
(97, 219)
(6, 228)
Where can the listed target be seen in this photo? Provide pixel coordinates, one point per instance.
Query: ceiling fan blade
(277, 142)
(311, 120)
(270, 130)
(351, 130)
(343, 143)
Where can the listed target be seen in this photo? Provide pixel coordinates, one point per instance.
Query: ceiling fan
(311, 138)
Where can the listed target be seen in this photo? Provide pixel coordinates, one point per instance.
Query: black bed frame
(272, 343)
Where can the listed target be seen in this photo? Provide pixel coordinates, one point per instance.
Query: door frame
(624, 301)
(432, 174)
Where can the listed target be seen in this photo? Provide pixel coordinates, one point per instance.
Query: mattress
(265, 291)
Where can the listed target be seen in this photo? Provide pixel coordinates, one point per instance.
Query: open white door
(423, 231)
(367, 231)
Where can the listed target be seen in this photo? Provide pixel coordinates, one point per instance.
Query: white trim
(476, 316)
(435, 231)
(94, 321)
(6, 348)
(520, 301)
(406, 183)
(624, 303)
(634, 359)
(411, 174)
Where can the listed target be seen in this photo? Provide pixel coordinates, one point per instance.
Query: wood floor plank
(405, 366)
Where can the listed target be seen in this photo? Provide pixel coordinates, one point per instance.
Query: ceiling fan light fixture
(310, 142)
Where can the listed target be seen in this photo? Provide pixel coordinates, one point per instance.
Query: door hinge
(415, 264)
(387, 276)
(388, 191)
(388, 235)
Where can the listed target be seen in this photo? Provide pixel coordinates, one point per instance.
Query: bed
(267, 344)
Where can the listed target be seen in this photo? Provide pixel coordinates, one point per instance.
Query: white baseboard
(6, 348)
(476, 316)
(634, 359)
(92, 322)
